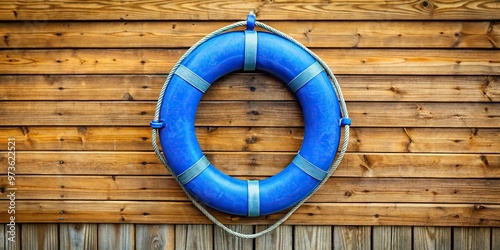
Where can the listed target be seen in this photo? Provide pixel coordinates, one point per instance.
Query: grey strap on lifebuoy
(253, 198)
(305, 76)
(194, 170)
(250, 50)
(309, 168)
(192, 78)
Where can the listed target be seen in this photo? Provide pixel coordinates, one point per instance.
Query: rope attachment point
(157, 124)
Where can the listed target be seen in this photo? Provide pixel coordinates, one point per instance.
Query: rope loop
(345, 121)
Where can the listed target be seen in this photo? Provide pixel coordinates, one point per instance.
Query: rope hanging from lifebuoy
(307, 76)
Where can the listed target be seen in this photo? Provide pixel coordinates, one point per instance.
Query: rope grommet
(157, 124)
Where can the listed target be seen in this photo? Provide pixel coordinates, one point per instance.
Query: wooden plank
(388, 140)
(3, 236)
(326, 34)
(228, 10)
(138, 113)
(335, 190)
(246, 87)
(280, 239)
(224, 240)
(428, 238)
(495, 238)
(158, 236)
(78, 236)
(471, 238)
(403, 214)
(341, 61)
(392, 237)
(352, 237)
(250, 113)
(116, 236)
(14, 244)
(40, 236)
(194, 237)
(259, 164)
(312, 237)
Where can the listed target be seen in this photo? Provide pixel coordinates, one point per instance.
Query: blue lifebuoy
(249, 50)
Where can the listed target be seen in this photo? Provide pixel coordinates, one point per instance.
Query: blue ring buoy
(249, 50)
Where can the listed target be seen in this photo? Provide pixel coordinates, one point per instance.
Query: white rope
(296, 206)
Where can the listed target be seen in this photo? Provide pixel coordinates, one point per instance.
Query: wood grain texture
(224, 240)
(313, 237)
(467, 191)
(352, 237)
(389, 140)
(280, 239)
(392, 237)
(428, 238)
(341, 61)
(260, 164)
(249, 87)
(40, 236)
(78, 236)
(194, 237)
(116, 236)
(16, 244)
(228, 10)
(159, 236)
(471, 238)
(495, 238)
(325, 34)
(404, 214)
(250, 114)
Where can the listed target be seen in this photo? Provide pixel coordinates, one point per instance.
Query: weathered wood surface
(40, 236)
(341, 61)
(392, 237)
(78, 236)
(251, 113)
(305, 237)
(249, 87)
(405, 214)
(79, 83)
(339, 34)
(264, 139)
(352, 237)
(471, 238)
(313, 237)
(267, 10)
(260, 164)
(155, 236)
(432, 238)
(335, 190)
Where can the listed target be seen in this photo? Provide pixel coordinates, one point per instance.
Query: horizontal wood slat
(259, 164)
(415, 140)
(251, 113)
(340, 34)
(309, 214)
(229, 10)
(263, 87)
(341, 61)
(338, 189)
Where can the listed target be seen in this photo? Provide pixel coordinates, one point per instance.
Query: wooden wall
(79, 83)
